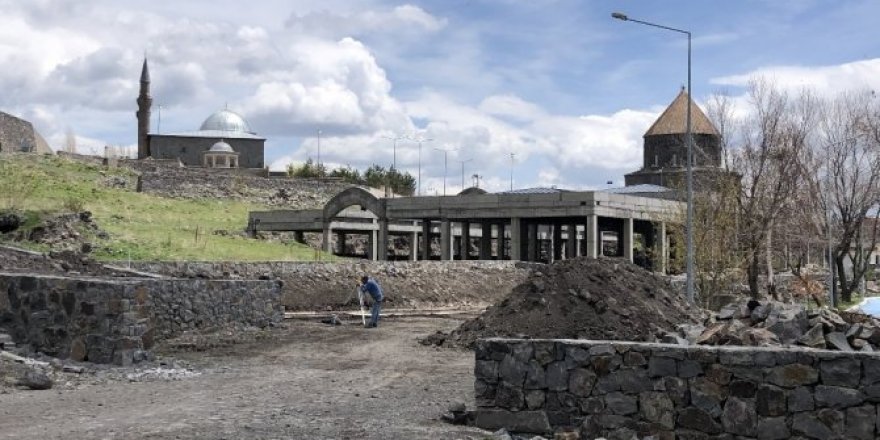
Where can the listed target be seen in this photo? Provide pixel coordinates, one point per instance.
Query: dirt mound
(581, 298)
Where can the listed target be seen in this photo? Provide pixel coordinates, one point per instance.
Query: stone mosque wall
(624, 390)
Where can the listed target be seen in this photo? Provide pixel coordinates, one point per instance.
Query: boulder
(813, 338)
(837, 341)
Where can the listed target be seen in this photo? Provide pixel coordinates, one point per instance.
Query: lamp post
(512, 156)
(445, 164)
(394, 158)
(420, 141)
(690, 156)
(319, 152)
(462, 171)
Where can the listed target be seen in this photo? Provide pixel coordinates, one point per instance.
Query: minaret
(144, 101)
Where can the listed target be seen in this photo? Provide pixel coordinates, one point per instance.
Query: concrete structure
(526, 225)
(191, 147)
(18, 135)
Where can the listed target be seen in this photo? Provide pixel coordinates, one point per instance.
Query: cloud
(340, 24)
(825, 80)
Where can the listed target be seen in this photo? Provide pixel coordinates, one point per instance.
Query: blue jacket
(372, 287)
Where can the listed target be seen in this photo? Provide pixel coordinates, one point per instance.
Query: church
(224, 140)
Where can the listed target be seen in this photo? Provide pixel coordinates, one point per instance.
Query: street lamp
(690, 157)
(395, 139)
(512, 156)
(420, 141)
(319, 151)
(445, 163)
(462, 170)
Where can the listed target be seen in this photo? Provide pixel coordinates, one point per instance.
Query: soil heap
(581, 298)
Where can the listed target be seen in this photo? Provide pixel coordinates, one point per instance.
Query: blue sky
(559, 83)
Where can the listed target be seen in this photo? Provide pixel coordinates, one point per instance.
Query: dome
(225, 120)
(221, 147)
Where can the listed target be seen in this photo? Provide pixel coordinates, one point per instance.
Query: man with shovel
(369, 285)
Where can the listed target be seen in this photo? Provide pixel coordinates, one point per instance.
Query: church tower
(144, 102)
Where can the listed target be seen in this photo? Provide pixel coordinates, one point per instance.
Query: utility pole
(395, 139)
(319, 152)
(445, 164)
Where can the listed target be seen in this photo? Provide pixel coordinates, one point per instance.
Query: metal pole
(445, 156)
(511, 170)
(419, 190)
(690, 188)
(319, 150)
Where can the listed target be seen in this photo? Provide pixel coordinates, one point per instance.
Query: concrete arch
(354, 196)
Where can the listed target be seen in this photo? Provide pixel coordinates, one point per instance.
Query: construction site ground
(303, 380)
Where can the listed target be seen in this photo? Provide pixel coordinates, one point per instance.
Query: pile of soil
(583, 298)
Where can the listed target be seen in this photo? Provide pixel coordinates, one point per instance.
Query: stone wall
(118, 321)
(624, 389)
(189, 149)
(323, 285)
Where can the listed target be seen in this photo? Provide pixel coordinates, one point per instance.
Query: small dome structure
(221, 147)
(226, 120)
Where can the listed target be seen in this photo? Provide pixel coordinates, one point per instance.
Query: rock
(793, 375)
(860, 422)
(622, 404)
(760, 313)
(837, 397)
(10, 221)
(35, 380)
(534, 422)
(773, 428)
(727, 312)
(698, 420)
(770, 401)
(824, 424)
(739, 416)
(759, 337)
(837, 341)
(839, 372)
(657, 408)
(800, 399)
(813, 338)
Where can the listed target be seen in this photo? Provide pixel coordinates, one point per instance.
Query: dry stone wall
(625, 390)
(331, 285)
(118, 321)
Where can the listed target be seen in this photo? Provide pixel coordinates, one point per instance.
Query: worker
(369, 285)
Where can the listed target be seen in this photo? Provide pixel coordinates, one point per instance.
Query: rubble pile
(54, 263)
(64, 232)
(580, 298)
(770, 323)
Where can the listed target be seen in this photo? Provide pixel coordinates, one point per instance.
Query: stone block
(77, 350)
(770, 401)
(534, 399)
(591, 405)
(509, 396)
(535, 377)
(737, 357)
(840, 372)
(577, 356)
(604, 364)
(545, 352)
(872, 392)
(871, 371)
(823, 424)
(533, 422)
(657, 408)
(698, 420)
(860, 422)
(718, 374)
(742, 388)
(581, 382)
(837, 341)
(557, 376)
(689, 368)
(661, 367)
(773, 428)
(634, 381)
(677, 390)
(602, 349)
(621, 404)
(486, 371)
(739, 416)
(606, 384)
(522, 351)
(707, 396)
(837, 397)
(793, 375)
(512, 371)
(634, 359)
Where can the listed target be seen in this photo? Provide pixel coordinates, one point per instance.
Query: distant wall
(323, 285)
(620, 390)
(189, 149)
(118, 321)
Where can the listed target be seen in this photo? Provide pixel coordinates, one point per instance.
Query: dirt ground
(307, 380)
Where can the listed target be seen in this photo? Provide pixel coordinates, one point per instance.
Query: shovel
(360, 295)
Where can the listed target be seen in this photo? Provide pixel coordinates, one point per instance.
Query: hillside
(124, 223)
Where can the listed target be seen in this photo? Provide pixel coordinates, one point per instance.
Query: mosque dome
(225, 120)
(221, 147)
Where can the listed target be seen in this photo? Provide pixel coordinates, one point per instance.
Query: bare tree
(70, 141)
(770, 140)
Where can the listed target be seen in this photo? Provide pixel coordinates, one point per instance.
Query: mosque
(224, 140)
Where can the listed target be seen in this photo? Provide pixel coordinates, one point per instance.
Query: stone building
(18, 135)
(665, 150)
(194, 147)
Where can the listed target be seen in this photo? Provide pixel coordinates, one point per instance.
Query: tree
(308, 170)
(770, 140)
(70, 141)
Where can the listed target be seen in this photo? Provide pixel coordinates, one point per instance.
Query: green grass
(141, 226)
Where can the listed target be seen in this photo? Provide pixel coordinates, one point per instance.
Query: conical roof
(674, 119)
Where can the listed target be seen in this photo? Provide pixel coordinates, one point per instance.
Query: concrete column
(340, 242)
(664, 248)
(501, 240)
(382, 245)
(532, 247)
(557, 242)
(515, 239)
(628, 239)
(426, 239)
(486, 241)
(591, 236)
(327, 243)
(465, 240)
(571, 242)
(445, 239)
(414, 246)
(371, 245)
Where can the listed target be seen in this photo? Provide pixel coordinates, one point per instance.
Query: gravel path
(307, 381)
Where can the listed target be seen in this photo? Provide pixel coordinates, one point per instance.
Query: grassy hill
(140, 226)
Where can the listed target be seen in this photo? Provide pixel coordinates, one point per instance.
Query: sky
(530, 93)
